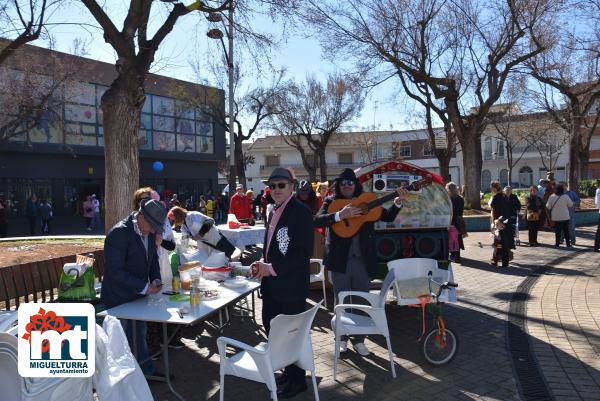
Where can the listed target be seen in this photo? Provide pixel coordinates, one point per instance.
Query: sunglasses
(347, 183)
(279, 185)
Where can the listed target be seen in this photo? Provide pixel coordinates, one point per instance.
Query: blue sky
(300, 56)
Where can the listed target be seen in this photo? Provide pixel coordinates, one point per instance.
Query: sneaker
(343, 346)
(362, 349)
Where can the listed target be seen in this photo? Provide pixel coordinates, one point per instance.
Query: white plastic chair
(14, 387)
(10, 381)
(260, 362)
(348, 323)
(412, 276)
(320, 277)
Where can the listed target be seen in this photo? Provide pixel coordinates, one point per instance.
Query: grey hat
(154, 213)
(282, 173)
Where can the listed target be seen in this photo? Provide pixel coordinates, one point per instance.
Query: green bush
(587, 188)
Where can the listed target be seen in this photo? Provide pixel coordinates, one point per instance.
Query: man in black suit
(352, 261)
(132, 269)
(285, 267)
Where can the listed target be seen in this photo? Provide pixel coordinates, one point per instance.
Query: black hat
(304, 186)
(280, 172)
(347, 174)
(154, 213)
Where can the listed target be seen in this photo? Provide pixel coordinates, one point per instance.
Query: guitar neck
(390, 196)
(382, 200)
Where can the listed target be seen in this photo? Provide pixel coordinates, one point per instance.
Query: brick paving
(565, 337)
(564, 325)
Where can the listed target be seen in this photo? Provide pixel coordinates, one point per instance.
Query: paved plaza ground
(557, 289)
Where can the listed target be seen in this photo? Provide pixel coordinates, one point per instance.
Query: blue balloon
(158, 166)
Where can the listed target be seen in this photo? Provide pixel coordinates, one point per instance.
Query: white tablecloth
(240, 237)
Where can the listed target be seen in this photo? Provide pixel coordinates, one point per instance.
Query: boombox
(389, 182)
(401, 244)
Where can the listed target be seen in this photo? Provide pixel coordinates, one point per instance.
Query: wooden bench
(37, 281)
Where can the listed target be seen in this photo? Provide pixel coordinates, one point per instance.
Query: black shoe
(292, 389)
(281, 379)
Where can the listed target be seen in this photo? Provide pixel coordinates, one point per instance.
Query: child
(502, 242)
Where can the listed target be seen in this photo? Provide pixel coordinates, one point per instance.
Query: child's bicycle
(440, 344)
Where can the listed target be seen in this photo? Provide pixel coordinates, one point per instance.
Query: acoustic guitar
(370, 206)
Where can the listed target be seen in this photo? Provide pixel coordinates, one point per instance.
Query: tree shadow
(482, 367)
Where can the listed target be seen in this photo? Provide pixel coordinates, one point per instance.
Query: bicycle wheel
(438, 352)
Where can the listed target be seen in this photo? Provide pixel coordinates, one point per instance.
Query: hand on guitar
(402, 192)
(349, 211)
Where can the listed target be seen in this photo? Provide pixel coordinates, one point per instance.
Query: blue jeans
(141, 329)
(571, 230)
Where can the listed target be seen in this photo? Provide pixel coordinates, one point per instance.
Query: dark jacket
(458, 208)
(291, 262)
(337, 248)
(128, 268)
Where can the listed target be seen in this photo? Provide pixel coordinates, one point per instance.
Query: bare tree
(461, 50)
(123, 101)
(549, 140)
(510, 128)
(366, 143)
(254, 105)
(312, 113)
(569, 77)
(22, 20)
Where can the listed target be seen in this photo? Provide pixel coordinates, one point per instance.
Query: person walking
(96, 204)
(32, 212)
(88, 212)
(457, 224)
(504, 239)
(576, 202)
(352, 261)
(535, 206)
(45, 216)
(558, 209)
(284, 270)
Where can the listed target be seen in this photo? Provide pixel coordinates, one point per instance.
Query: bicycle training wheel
(437, 351)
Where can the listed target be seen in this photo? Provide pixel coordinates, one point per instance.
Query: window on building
(427, 149)
(500, 149)
(487, 149)
(405, 151)
(503, 177)
(345, 158)
(525, 177)
(272, 160)
(486, 179)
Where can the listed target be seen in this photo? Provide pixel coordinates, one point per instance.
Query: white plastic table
(240, 237)
(167, 312)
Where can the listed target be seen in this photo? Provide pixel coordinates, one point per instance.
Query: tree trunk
(443, 156)
(239, 161)
(575, 162)
(472, 161)
(322, 166)
(121, 106)
(310, 169)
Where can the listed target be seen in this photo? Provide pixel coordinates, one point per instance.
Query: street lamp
(216, 33)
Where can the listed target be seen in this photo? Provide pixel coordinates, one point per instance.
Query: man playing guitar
(352, 261)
